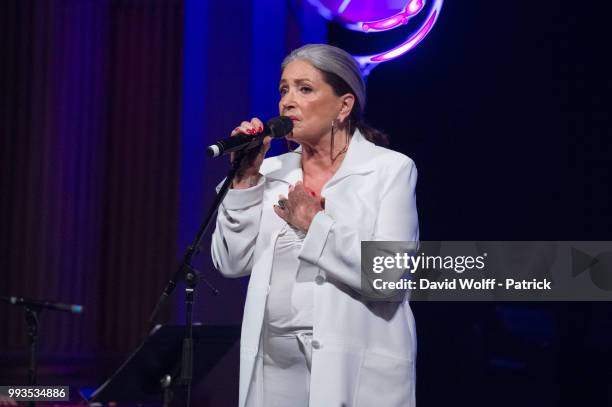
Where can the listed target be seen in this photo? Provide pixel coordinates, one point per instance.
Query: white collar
(287, 167)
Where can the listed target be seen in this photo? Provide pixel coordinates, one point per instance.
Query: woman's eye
(283, 91)
(306, 89)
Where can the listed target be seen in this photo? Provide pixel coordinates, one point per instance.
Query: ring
(282, 203)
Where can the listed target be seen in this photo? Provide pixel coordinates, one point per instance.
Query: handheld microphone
(74, 308)
(277, 127)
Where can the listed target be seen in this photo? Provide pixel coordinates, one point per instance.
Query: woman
(311, 336)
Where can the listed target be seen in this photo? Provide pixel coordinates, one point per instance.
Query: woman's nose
(287, 102)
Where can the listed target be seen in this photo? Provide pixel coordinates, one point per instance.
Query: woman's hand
(300, 207)
(248, 174)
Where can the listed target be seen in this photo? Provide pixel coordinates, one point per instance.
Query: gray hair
(330, 59)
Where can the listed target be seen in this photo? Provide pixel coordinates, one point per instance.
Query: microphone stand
(32, 312)
(31, 316)
(191, 277)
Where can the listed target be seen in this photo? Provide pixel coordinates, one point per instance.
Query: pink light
(408, 45)
(412, 9)
(369, 62)
(355, 22)
(387, 24)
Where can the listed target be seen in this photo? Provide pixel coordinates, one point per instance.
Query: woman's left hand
(300, 207)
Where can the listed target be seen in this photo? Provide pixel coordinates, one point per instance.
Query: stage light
(372, 16)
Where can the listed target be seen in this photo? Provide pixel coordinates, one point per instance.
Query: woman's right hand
(248, 174)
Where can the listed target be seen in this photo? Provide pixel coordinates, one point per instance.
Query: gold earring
(290, 148)
(331, 147)
(331, 151)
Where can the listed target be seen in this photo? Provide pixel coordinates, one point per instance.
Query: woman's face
(309, 101)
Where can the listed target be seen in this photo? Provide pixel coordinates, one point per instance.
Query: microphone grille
(280, 126)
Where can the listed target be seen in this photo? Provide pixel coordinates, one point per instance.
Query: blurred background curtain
(90, 119)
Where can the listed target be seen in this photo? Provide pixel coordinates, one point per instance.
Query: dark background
(504, 107)
(506, 112)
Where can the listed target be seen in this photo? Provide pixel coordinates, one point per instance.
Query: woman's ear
(346, 107)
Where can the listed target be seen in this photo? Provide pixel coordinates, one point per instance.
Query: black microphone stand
(191, 277)
(31, 316)
(32, 313)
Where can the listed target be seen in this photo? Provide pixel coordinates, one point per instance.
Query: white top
(290, 301)
(365, 354)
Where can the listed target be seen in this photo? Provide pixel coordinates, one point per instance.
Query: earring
(331, 151)
(290, 148)
(331, 147)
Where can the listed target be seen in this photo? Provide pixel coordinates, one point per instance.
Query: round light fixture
(381, 15)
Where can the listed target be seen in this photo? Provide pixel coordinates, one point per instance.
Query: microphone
(74, 308)
(277, 127)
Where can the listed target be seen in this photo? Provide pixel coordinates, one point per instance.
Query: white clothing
(290, 301)
(286, 368)
(363, 351)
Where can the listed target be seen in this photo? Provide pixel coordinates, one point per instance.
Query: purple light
(372, 16)
(351, 13)
(413, 8)
(343, 6)
(384, 25)
(408, 45)
(369, 62)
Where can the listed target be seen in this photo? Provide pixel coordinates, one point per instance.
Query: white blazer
(363, 351)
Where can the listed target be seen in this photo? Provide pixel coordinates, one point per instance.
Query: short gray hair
(330, 59)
